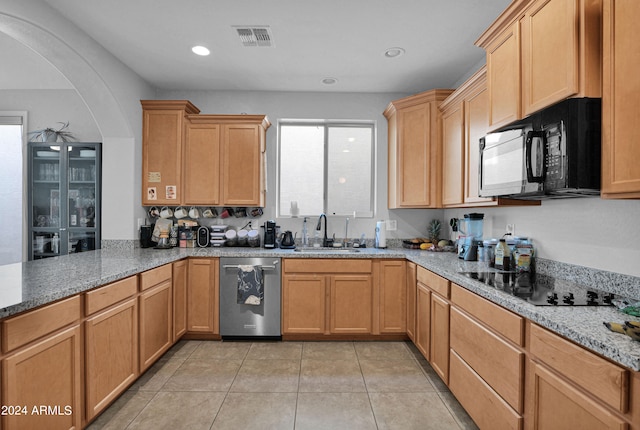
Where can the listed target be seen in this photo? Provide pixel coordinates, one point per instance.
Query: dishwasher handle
(236, 266)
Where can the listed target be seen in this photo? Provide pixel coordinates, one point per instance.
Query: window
(326, 167)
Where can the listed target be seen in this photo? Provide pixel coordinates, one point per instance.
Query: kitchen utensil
(166, 212)
(287, 240)
(194, 212)
(209, 213)
(180, 212)
(154, 212)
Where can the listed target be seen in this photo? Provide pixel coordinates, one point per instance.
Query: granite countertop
(29, 285)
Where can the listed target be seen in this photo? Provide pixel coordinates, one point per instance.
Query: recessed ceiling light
(200, 50)
(393, 52)
(329, 81)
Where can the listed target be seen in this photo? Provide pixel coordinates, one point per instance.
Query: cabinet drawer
(603, 379)
(22, 329)
(155, 276)
(319, 265)
(111, 294)
(498, 363)
(437, 283)
(488, 410)
(499, 319)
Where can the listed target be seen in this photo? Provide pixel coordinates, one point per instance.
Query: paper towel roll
(381, 234)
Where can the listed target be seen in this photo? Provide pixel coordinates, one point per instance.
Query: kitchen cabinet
(42, 367)
(163, 136)
(327, 297)
(179, 280)
(432, 316)
(621, 90)
(486, 347)
(64, 197)
(391, 288)
(414, 150)
(202, 298)
(156, 318)
(111, 343)
(225, 160)
(412, 289)
(569, 386)
(540, 52)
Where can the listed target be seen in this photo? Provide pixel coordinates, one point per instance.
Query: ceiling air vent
(255, 35)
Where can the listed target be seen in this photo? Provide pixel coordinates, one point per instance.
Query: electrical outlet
(511, 228)
(391, 224)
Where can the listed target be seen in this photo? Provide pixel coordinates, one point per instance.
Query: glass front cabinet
(64, 198)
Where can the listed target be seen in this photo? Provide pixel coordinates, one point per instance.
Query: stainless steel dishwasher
(239, 320)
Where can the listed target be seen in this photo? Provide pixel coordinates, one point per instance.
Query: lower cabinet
(111, 343)
(45, 380)
(202, 297)
(156, 317)
(390, 282)
(411, 300)
(327, 296)
(179, 299)
(432, 320)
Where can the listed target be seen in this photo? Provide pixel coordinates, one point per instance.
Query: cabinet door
(411, 301)
(392, 290)
(440, 336)
(303, 304)
(414, 156)
(503, 72)
(453, 156)
(202, 296)
(202, 164)
(555, 404)
(476, 124)
(179, 299)
(46, 374)
(351, 304)
(242, 154)
(111, 354)
(162, 132)
(423, 320)
(549, 53)
(621, 91)
(156, 323)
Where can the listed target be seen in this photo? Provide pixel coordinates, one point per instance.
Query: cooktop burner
(543, 290)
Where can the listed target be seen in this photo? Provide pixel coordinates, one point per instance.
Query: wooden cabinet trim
(501, 320)
(330, 265)
(155, 276)
(598, 376)
(103, 297)
(436, 282)
(19, 330)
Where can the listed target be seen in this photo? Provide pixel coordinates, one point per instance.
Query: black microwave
(553, 153)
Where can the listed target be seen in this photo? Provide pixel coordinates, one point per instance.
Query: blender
(471, 229)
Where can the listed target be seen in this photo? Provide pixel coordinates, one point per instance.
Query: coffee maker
(270, 234)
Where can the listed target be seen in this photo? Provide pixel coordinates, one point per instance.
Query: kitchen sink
(331, 250)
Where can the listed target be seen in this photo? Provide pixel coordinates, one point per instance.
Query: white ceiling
(345, 39)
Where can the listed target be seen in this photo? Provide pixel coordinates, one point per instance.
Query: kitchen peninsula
(70, 280)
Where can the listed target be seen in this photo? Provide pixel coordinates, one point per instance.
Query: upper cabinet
(414, 155)
(163, 132)
(540, 52)
(202, 160)
(621, 91)
(227, 157)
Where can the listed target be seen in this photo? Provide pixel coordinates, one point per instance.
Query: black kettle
(287, 241)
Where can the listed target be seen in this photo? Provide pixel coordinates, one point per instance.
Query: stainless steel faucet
(325, 241)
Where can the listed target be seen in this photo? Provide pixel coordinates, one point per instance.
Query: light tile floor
(287, 385)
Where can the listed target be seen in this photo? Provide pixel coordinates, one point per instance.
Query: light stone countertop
(28, 285)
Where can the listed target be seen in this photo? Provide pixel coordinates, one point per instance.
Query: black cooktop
(543, 290)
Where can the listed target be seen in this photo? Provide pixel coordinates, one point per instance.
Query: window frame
(326, 124)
